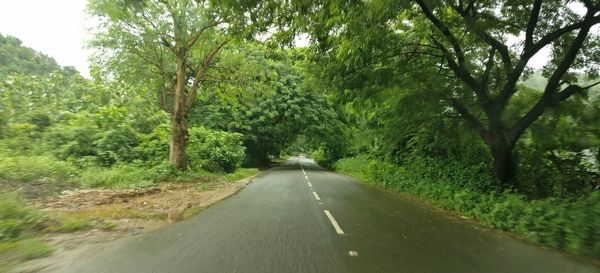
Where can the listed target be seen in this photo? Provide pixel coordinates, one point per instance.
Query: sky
(56, 28)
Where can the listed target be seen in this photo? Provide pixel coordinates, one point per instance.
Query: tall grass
(35, 168)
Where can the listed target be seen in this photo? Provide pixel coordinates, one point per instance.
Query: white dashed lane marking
(335, 224)
(316, 196)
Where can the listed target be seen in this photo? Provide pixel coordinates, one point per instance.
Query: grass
(239, 174)
(28, 169)
(22, 250)
(16, 218)
(33, 248)
(117, 177)
(191, 212)
(133, 177)
(204, 187)
(74, 224)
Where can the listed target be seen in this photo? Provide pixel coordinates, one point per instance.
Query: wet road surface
(298, 217)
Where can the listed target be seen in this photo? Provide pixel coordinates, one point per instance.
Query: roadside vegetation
(19, 226)
(564, 223)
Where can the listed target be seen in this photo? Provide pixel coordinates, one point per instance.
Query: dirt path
(129, 212)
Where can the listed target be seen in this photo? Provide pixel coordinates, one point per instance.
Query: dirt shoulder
(120, 214)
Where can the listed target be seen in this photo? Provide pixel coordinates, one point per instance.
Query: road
(298, 217)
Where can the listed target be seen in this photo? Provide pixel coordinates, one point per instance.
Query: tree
(465, 48)
(274, 106)
(490, 69)
(170, 44)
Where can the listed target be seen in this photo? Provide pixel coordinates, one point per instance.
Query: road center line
(316, 196)
(335, 224)
(309, 184)
(306, 177)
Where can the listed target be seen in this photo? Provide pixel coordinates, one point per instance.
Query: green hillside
(17, 58)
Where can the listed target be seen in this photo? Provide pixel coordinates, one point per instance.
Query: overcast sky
(58, 29)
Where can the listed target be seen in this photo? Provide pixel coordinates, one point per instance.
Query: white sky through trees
(58, 28)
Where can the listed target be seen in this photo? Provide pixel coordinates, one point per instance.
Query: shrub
(153, 147)
(116, 145)
(20, 139)
(215, 151)
(104, 137)
(70, 140)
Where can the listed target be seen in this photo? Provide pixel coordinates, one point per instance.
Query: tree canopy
(462, 59)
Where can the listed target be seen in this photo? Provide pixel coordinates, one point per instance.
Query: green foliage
(73, 224)
(319, 157)
(16, 58)
(20, 139)
(29, 169)
(567, 224)
(447, 84)
(277, 109)
(122, 176)
(154, 146)
(15, 218)
(33, 249)
(215, 151)
(71, 140)
(116, 145)
(239, 174)
(104, 135)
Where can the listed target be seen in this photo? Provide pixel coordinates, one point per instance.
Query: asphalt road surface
(298, 217)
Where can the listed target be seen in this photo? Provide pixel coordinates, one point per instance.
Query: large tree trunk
(503, 160)
(177, 155)
(179, 132)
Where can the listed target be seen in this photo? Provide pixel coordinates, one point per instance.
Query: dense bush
(20, 139)
(105, 137)
(572, 225)
(116, 145)
(153, 147)
(216, 151)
